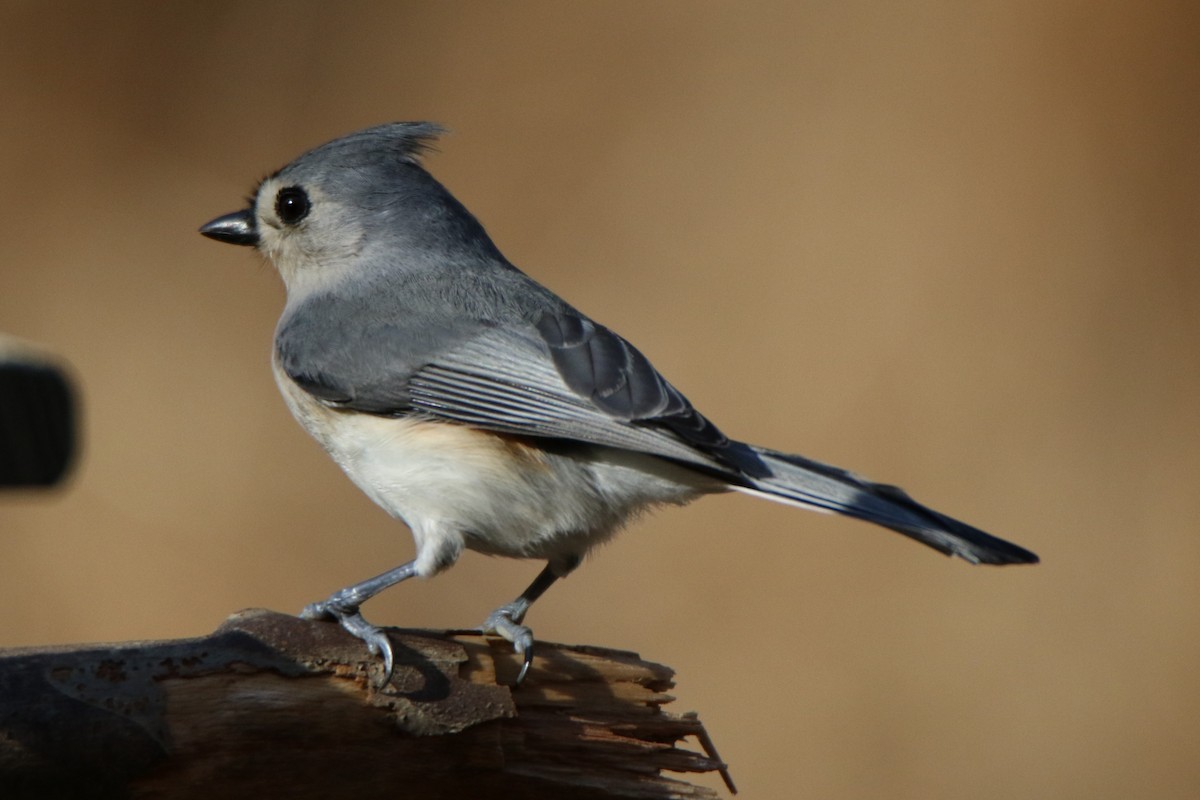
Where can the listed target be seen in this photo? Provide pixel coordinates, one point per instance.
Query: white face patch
(315, 251)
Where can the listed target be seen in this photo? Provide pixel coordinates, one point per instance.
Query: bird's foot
(349, 617)
(505, 621)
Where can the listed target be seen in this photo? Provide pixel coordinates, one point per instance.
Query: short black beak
(235, 228)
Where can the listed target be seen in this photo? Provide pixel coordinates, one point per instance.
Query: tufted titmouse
(477, 406)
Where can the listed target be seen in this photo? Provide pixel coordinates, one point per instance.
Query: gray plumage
(477, 405)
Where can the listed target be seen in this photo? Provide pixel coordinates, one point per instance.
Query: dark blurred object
(37, 417)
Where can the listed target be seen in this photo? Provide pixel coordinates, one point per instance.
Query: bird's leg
(343, 606)
(506, 620)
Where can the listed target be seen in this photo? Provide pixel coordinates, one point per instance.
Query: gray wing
(345, 352)
(516, 381)
(613, 374)
(562, 376)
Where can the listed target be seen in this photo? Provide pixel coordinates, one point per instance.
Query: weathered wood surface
(273, 706)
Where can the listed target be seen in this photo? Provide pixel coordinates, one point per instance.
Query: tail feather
(800, 481)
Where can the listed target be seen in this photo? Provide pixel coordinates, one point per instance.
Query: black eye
(292, 205)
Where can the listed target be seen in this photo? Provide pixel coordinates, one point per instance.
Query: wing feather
(559, 376)
(503, 380)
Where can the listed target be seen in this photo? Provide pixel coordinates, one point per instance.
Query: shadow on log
(273, 706)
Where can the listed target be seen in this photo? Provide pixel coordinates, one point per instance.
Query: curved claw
(505, 622)
(525, 665)
(377, 642)
(388, 661)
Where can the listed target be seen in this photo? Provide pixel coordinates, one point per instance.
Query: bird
(477, 406)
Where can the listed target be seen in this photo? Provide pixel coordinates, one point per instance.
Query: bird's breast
(505, 494)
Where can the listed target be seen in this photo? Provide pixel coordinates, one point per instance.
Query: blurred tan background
(951, 246)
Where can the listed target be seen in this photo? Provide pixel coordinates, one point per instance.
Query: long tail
(800, 481)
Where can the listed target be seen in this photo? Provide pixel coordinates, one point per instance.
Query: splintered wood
(273, 706)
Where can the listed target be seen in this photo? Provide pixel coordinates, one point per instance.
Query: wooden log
(273, 706)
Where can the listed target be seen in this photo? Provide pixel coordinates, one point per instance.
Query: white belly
(458, 487)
